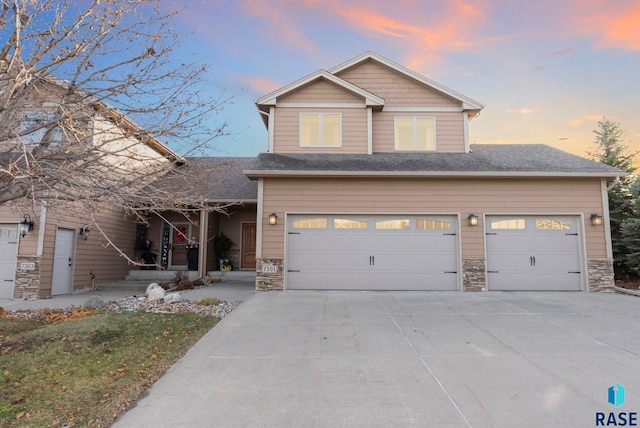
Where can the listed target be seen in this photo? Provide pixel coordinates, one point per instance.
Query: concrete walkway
(404, 359)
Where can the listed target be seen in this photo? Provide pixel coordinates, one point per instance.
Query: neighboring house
(63, 251)
(370, 183)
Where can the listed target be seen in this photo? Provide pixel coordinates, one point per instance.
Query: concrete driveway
(404, 359)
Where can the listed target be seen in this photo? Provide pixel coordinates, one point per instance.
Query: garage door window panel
(345, 223)
(549, 224)
(509, 224)
(395, 224)
(311, 223)
(428, 224)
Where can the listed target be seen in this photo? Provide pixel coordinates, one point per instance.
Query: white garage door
(533, 253)
(8, 252)
(350, 252)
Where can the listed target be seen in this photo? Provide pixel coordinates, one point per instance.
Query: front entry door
(8, 252)
(180, 233)
(248, 246)
(63, 262)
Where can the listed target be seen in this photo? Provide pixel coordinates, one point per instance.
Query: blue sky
(546, 71)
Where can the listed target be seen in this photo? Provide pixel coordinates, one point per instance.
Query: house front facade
(370, 183)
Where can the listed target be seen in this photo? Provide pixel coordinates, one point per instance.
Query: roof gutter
(452, 174)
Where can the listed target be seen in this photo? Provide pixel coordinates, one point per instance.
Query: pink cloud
(586, 118)
(616, 27)
(262, 85)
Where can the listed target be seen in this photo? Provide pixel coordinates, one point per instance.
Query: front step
(157, 275)
(234, 275)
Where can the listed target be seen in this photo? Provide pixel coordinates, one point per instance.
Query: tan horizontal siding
(449, 130)
(395, 88)
(447, 196)
(287, 131)
(321, 91)
(94, 254)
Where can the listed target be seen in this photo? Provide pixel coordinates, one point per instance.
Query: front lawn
(85, 371)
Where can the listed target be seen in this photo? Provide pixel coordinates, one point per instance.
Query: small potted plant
(222, 243)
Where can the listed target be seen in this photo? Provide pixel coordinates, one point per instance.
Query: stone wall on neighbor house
(600, 274)
(474, 276)
(269, 273)
(27, 280)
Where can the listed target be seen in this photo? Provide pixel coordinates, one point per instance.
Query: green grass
(85, 371)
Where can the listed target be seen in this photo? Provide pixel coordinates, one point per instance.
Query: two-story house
(371, 183)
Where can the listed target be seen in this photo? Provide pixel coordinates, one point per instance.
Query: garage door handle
(372, 260)
(574, 272)
(292, 270)
(532, 260)
(493, 271)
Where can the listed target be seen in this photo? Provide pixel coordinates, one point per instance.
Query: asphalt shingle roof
(213, 179)
(484, 159)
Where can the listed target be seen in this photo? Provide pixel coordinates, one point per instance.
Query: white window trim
(435, 134)
(35, 138)
(320, 114)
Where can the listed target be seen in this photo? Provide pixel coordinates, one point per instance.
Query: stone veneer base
(474, 277)
(600, 275)
(27, 282)
(269, 273)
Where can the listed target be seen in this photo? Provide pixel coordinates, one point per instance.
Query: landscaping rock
(94, 302)
(172, 297)
(155, 292)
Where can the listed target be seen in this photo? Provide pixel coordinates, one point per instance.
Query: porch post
(204, 232)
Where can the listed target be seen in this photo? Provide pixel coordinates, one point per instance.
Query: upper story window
(415, 133)
(320, 130)
(38, 123)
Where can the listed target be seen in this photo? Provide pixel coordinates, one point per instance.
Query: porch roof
(215, 179)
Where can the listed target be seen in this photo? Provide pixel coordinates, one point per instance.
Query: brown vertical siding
(396, 89)
(447, 196)
(354, 131)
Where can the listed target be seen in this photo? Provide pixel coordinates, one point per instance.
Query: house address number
(27, 266)
(269, 269)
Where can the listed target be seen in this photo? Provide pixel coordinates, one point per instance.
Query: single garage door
(8, 252)
(533, 253)
(348, 252)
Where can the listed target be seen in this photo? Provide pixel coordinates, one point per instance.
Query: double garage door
(372, 252)
(378, 252)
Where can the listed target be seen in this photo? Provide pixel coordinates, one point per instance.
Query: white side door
(8, 253)
(63, 262)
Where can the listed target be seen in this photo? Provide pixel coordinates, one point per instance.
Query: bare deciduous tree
(82, 85)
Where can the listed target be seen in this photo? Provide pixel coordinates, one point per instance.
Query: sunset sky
(546, 71)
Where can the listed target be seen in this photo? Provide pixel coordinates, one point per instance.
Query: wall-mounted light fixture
(84, 231)
(273, 219)
(26, 225)
(596, 219)
(473, 220)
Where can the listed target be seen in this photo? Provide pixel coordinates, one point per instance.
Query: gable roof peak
(271, 98)
(467, 103)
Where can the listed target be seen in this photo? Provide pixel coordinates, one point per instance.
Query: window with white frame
(38, 123)
(320, 130)
(415, 133)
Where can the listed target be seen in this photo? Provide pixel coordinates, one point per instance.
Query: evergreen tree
(611, 151)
